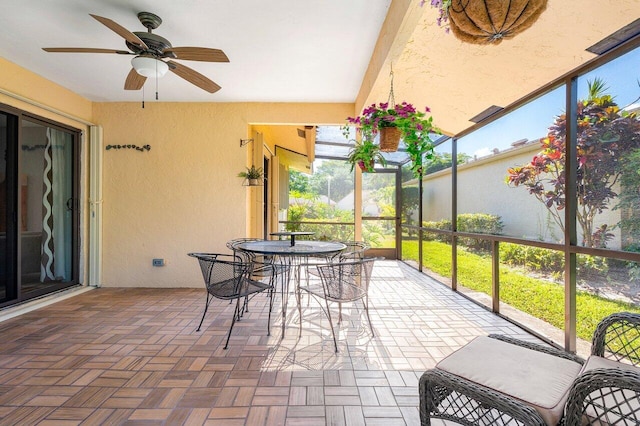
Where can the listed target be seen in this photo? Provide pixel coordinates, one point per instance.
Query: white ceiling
(312, 50)
(279, 50)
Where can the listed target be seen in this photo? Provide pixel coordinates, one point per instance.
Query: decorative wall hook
(244, 142)
(129, 146)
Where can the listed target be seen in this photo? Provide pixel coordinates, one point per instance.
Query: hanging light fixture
(148, 66)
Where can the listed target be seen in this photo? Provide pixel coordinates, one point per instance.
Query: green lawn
(541, 299)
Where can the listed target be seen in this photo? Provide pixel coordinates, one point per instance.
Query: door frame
(14, 243)
(388, 253)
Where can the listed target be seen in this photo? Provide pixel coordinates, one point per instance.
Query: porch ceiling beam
(402, 18)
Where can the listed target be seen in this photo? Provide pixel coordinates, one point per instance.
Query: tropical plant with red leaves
(605, 133)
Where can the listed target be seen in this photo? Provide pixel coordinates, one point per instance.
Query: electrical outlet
(158, 262)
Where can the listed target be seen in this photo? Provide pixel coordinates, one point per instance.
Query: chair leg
(299, 300)
(269, 319)
(206, 306)
(270, 296)
(366, 310)
(335, 341)
(236, 315)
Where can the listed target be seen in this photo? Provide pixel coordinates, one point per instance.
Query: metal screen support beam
(495, 276)
(420, 216)
(570, 230)
(454, 214)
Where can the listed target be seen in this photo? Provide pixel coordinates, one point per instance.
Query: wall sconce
(244, 142)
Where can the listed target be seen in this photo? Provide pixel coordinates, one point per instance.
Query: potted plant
(412, 125)
(253, 175)
(365, 154)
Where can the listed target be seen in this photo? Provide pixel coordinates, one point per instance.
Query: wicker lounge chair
(498, 380)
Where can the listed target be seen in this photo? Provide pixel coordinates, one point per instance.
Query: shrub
(443, 224)
(533, 258)
(481, 223)
(547, 260)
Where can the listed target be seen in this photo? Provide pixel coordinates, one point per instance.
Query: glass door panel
(4, 209)
(379, 211)
(46, 208)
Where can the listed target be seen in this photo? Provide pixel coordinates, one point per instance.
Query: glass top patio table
(287, 255)
(284, 248)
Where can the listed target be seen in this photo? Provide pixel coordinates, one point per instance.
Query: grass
(536, 297)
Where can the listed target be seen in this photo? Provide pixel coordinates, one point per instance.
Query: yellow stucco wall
(184, 194)
(29, 85)
(181, 196)
(27, 91)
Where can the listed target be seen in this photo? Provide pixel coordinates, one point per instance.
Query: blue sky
(532, 120)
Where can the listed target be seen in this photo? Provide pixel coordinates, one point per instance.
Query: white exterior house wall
(482, 189)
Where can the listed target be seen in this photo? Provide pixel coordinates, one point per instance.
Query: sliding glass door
(38, 208)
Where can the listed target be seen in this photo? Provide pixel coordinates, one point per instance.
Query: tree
(629, 204)
(441, 161)
(410, 203)
(298, 181)
(605, 134)
(341, 179)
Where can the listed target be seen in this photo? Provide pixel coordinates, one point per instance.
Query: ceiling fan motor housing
(157, 45)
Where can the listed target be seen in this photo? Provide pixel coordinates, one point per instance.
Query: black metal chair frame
(354, 251)
(228, 277)
(264, 267)
(617, 337)
(341, 282)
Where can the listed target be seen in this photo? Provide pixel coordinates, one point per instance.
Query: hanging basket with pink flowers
(412, 126)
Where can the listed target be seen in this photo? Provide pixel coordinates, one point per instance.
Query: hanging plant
(365, 154)
(253, 175)
(414, 126)
(487, 21)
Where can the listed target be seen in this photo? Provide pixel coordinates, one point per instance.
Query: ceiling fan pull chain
(156, 75)
(143, 96)
(391, 100)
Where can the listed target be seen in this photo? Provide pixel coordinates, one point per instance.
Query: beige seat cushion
(611, 400)
(599, 362)
(535, 378)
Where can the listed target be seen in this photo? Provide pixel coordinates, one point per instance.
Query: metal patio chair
(340, 282)
(228, 277)
(354, 251)
(264, 267)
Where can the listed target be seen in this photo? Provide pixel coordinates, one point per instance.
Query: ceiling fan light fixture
(149, 67)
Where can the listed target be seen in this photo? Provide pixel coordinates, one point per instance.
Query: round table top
(283, 248)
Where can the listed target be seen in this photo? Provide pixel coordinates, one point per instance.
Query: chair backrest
(609, 395)
(354, 251)
(604, 396)
(233, 246)
(225, 276)
(617, 337)
(346, 281)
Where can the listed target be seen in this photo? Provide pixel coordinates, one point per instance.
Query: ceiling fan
(150, 51)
